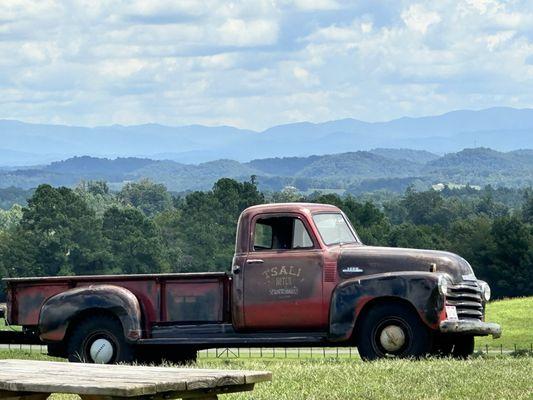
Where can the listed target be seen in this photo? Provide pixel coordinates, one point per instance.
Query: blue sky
(254, 64)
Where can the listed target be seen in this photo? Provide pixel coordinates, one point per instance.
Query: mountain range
(355, 172)
(501, 128)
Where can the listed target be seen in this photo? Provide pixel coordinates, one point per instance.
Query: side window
(281, 233)
(262, 236)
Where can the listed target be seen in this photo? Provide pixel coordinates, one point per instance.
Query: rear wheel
(99, 340)
(389, 331)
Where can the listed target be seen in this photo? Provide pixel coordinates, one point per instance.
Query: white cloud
(309, 5)
(238, 32)
(262, 62)
(418, 18)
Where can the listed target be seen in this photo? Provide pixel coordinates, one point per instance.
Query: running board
(224, 334)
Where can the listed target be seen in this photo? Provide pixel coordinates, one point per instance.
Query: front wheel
(100, 340)
(392, 331)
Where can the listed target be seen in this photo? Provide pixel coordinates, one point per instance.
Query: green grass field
(485, 378)
(481, 377)
(516, 318)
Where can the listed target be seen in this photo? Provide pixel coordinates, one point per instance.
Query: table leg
(183, 396)
(9, 395)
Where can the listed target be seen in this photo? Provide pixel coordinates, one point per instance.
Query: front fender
(59, 310)
(349, 298)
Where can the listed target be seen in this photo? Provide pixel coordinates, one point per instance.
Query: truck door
(282, 275)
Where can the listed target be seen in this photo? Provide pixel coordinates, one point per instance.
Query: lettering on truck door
(282, 275)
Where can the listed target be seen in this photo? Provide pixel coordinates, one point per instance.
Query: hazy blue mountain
(282, 166)
(416, 156)
(502, 129)
(92, 165)
(13, 158)
(181, 177)
(481, 165)
(353, 171)
(359, 165)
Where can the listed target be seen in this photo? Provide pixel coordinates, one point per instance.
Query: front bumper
(472, 327)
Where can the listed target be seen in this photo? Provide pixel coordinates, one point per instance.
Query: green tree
(527, 207)
(420, 237)
(426, 208)
(62, 232)
(134, 241)
(169, 225)
(151, 198)
(97, 196)
(209, 220)
(511, 270)
(10, 218)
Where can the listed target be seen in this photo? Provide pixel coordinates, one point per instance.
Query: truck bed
(164, 298)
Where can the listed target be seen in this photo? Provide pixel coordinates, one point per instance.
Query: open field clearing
(516, 319)
(479, 378)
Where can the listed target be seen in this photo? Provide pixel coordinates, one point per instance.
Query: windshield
(334, 229)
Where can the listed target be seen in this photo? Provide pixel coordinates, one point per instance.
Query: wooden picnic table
(36, 380)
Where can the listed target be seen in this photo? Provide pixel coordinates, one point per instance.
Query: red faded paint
(287, 289)
(30, 294)
(28, 300)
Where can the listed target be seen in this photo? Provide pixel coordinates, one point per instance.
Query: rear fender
(351, 296)
(60, 310)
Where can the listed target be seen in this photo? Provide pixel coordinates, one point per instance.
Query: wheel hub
(392, 338)
(101, 351)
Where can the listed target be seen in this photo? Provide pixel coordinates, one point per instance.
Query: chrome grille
(466, 297)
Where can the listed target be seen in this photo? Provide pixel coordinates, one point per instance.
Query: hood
(363, 260)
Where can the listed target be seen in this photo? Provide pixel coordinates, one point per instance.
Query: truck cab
(300, 276)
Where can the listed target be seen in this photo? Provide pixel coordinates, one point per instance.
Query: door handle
(255, 261)
(236, 269)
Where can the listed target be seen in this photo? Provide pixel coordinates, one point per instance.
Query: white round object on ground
(101, 351)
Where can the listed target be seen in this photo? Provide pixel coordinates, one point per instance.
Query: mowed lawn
(491, 377)
(516, 318)
(481, 377)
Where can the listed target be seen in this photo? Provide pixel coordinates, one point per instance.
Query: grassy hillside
(516, 318)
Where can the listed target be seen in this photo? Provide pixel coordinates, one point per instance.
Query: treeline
(143, 228)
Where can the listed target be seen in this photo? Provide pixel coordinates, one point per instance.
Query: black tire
(442, 350)
(463, 347)
(442, 346)
(416, 341)
(87, 331)
(453, 346)
(171, 354)
(57, 350)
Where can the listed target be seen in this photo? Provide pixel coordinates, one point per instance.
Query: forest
(144, 228)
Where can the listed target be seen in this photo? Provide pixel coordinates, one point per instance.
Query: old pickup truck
(300, 277)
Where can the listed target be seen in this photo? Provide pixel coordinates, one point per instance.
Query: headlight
(443, 285)
(485, 290)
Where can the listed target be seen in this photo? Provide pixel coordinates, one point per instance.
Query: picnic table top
(117, 380)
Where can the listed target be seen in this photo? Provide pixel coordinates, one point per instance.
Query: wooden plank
(117, 380)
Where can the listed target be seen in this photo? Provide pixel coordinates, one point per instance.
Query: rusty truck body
(300, 277)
